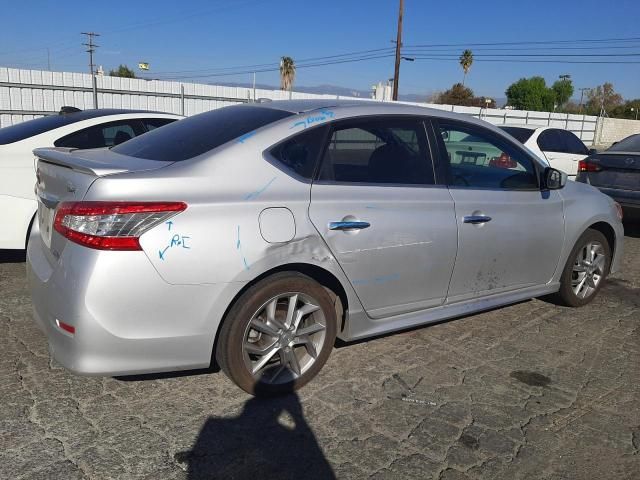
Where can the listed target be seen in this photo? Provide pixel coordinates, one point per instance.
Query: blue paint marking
(169, 224)
(177, 240)
(239, 248)
(162, 252)
(257, 193)
(321, 116)
(246, 136)
(377, 280)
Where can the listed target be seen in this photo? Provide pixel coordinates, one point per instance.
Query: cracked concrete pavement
(531, 390)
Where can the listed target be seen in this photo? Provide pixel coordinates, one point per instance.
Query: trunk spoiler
(98, 162)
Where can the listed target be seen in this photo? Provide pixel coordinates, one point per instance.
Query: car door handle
(476, 219)
(350, 225)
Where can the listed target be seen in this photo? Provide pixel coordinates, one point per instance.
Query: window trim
(419, 119)
(443, 158)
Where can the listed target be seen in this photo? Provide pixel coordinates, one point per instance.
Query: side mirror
(592, 151)
(554, 179)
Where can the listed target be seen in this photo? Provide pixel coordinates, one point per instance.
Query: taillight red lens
(111, 225)
(587, 166)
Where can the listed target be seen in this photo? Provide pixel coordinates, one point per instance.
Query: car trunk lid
(65, 175)
(616, 170)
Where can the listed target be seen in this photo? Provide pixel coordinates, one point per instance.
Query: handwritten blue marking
(161, 253)
(175, 240)
(184, 243)
(246, 136)
(257, 193)
(169, 224)
(239, 248)
(314, 118)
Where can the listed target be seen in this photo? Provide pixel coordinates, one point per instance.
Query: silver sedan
(255, 235)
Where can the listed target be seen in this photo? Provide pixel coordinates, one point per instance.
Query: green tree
(122, 71)
(630, 110)
(458, 94)
(531, 94)
(287, 73)
(466, 60)
(603, 97)
(563, 90)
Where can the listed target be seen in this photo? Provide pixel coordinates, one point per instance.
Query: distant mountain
(329, 90)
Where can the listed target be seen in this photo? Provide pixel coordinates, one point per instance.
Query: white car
(70, 128)
(561, 148)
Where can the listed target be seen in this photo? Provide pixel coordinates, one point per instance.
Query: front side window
(479, 159)
(389, 151)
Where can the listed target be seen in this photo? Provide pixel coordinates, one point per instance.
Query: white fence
(26, 94)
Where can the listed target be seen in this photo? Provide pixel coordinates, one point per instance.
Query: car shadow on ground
(12, 256)
(269, 439)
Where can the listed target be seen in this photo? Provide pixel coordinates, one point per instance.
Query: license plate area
(45, 222)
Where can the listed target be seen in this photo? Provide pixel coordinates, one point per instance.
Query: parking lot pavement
(527, 391)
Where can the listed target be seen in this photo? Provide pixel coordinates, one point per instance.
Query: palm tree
(287, 73)
(466, 60)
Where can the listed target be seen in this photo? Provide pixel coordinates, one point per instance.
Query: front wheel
(278, 334)
(586, 269)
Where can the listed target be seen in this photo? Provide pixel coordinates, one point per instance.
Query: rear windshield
(198, 134)
(27, 129)
(629, 144)
(519, 133)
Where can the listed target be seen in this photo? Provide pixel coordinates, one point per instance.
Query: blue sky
(205, 35)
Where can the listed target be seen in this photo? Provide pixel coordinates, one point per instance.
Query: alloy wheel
(283, 338)
(588, 269)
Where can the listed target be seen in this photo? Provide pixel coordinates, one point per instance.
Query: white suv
(70, 128)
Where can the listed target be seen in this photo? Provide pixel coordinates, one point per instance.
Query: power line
(533, 61)
(536, 42)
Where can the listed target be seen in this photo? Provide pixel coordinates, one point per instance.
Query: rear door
(389, 224)
(510, 233)
(563, 149)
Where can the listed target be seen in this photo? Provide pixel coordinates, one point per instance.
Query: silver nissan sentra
(255, 235)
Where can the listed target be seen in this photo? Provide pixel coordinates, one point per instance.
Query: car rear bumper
(127, 319)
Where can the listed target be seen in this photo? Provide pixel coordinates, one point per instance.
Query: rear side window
(300, 153)
(196, 135)
(389, 151)
(519, 133)
(574, 144)
(104, 135)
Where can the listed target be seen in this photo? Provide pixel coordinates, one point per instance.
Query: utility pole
(582, 90)
(396, 73)
(92, 48)
(48, 60)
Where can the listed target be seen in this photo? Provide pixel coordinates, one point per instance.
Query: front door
(375, 203)
(510, 232)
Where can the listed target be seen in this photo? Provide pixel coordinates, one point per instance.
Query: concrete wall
(27, 94)
(611, 130)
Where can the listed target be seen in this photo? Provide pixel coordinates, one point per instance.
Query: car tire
(585, 271)
(277, 335)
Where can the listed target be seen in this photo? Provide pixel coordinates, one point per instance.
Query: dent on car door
(509, 231)
(377, 205)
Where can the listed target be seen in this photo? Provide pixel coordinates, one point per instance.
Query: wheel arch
(609, 233)
(321, 275)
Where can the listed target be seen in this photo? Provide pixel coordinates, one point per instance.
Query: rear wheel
(278, 334)
(586, 269)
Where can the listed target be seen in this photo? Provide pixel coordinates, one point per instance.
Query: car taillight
(111, 225)
(587, 166)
